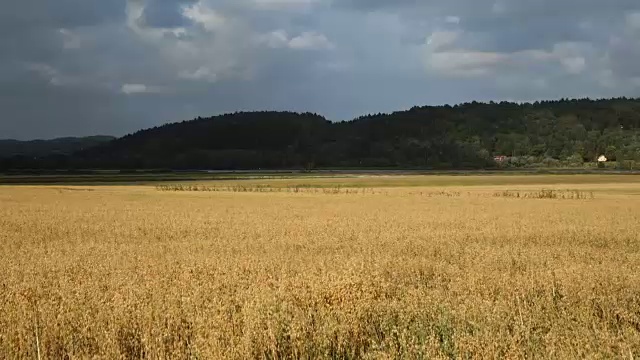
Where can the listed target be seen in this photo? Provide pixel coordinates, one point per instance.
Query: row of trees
(443, 137)
(566, 137)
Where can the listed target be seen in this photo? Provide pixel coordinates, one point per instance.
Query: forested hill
(553, 133)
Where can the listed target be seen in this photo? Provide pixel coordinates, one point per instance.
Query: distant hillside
(67, 145)
(550, 133)
(233, 141)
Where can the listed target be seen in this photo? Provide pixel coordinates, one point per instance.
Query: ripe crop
(397, 271)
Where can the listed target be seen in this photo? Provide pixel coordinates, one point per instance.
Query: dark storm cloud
(30, 14)
(624, 58)
(165, 13)
(79, 67)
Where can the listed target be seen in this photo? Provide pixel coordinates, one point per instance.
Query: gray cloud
(80, 67)
(33, 14)
(165, 13)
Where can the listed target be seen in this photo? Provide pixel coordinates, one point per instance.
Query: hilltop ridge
(441, 137)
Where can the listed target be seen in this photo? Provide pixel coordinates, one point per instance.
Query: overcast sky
(81, 67)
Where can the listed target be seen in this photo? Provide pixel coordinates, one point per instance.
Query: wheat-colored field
(397, 267)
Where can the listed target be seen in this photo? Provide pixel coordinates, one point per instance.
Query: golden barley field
(431, 267)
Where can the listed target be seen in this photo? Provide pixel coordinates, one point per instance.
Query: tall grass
(546, 194)
(296, 188)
